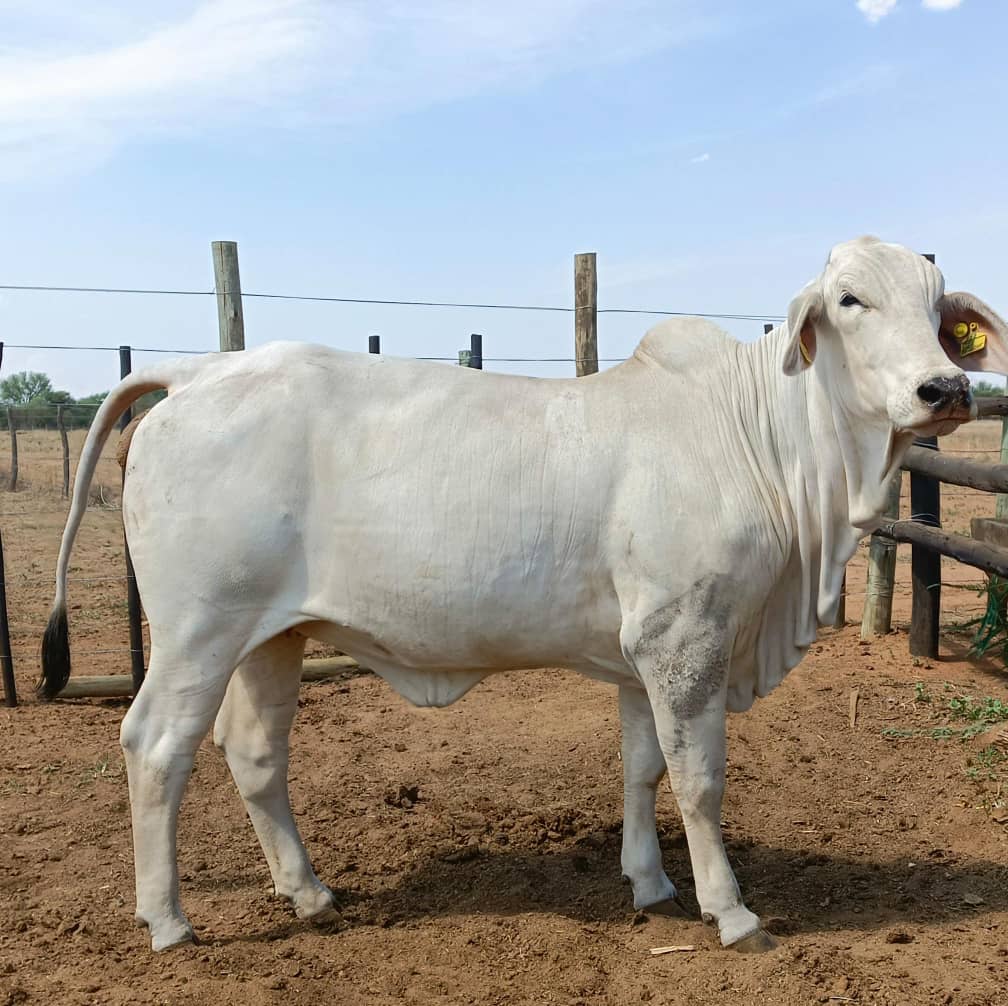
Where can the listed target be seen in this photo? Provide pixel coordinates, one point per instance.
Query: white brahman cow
(677, 525)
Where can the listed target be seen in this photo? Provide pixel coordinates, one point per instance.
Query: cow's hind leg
(253, 728)
(643, 768)
(160, 733)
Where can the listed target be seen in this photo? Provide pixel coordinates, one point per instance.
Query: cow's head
(891, 343)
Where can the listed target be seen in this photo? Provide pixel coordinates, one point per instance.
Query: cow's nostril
(935, 393)
(944, 392)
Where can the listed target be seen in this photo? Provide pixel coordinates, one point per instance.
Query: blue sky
(710, 152)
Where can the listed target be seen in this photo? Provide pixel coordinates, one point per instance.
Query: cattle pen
(986, 548)
(475, 850)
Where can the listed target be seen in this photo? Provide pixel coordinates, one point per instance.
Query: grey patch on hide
(686, 644)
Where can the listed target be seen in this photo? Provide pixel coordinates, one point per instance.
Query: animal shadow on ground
(795, 891)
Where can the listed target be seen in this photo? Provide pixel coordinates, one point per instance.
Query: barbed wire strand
(397, 302)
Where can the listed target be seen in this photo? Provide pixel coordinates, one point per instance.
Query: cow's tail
(56, 639)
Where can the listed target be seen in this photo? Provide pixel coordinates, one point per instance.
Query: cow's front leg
(682, 660)
(643, 768)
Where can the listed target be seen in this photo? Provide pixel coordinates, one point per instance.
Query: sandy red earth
(475, 850)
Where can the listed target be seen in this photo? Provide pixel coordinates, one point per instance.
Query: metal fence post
(925, 564)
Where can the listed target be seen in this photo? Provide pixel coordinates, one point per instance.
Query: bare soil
(475, 850)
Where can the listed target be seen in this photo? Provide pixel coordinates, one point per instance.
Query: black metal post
(374, 343)
(476, 353)
(6, 660)
(925, 564)
(132, 593)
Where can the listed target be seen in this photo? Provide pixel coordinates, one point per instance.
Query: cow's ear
(803, 312)
(973, 336)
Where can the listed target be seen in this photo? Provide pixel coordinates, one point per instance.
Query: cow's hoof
(758, 942)
(317, 906)
(326, 917)
(167, 934)
(671, 907)
(169, 937)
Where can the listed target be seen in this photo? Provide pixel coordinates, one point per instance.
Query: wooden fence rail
(985, 550)
(989, 558)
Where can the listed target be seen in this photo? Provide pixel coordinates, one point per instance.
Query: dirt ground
(475, 850)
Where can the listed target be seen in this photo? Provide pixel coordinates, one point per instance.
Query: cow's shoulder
(686, 346)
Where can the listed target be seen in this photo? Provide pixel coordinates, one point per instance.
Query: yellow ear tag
(971, 338)
(804, 351)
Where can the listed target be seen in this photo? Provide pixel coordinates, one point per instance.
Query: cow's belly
(410, 673)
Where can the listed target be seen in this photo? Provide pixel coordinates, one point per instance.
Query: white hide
(677, 525)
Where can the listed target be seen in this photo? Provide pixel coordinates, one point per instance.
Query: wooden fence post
(374, 343)
(1001, 503)
(132, 593)
(230, 318)
(61, 426)
(476, 351)
(876, 620)
(6, 661)
(585, 314)
(12, 426)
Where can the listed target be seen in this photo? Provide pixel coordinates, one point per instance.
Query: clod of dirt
(899, 936)
(403, 796)
(463, 855)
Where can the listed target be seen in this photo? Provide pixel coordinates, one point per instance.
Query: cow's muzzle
(947, 397)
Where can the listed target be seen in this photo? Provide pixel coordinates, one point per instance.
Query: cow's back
(444, 517)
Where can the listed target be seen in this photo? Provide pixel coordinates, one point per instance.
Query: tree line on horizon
(35, 402)
(32, 395)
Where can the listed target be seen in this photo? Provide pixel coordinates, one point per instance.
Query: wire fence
(399, 302)
(27, 586)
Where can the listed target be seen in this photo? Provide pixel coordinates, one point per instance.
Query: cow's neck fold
(834, 470)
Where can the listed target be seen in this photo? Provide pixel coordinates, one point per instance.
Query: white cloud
(76, 83)
(875, 10)
(700, 159)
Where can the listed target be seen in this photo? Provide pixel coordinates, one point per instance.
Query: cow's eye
(849, 300)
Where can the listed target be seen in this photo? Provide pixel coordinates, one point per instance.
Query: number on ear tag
(971, 338)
